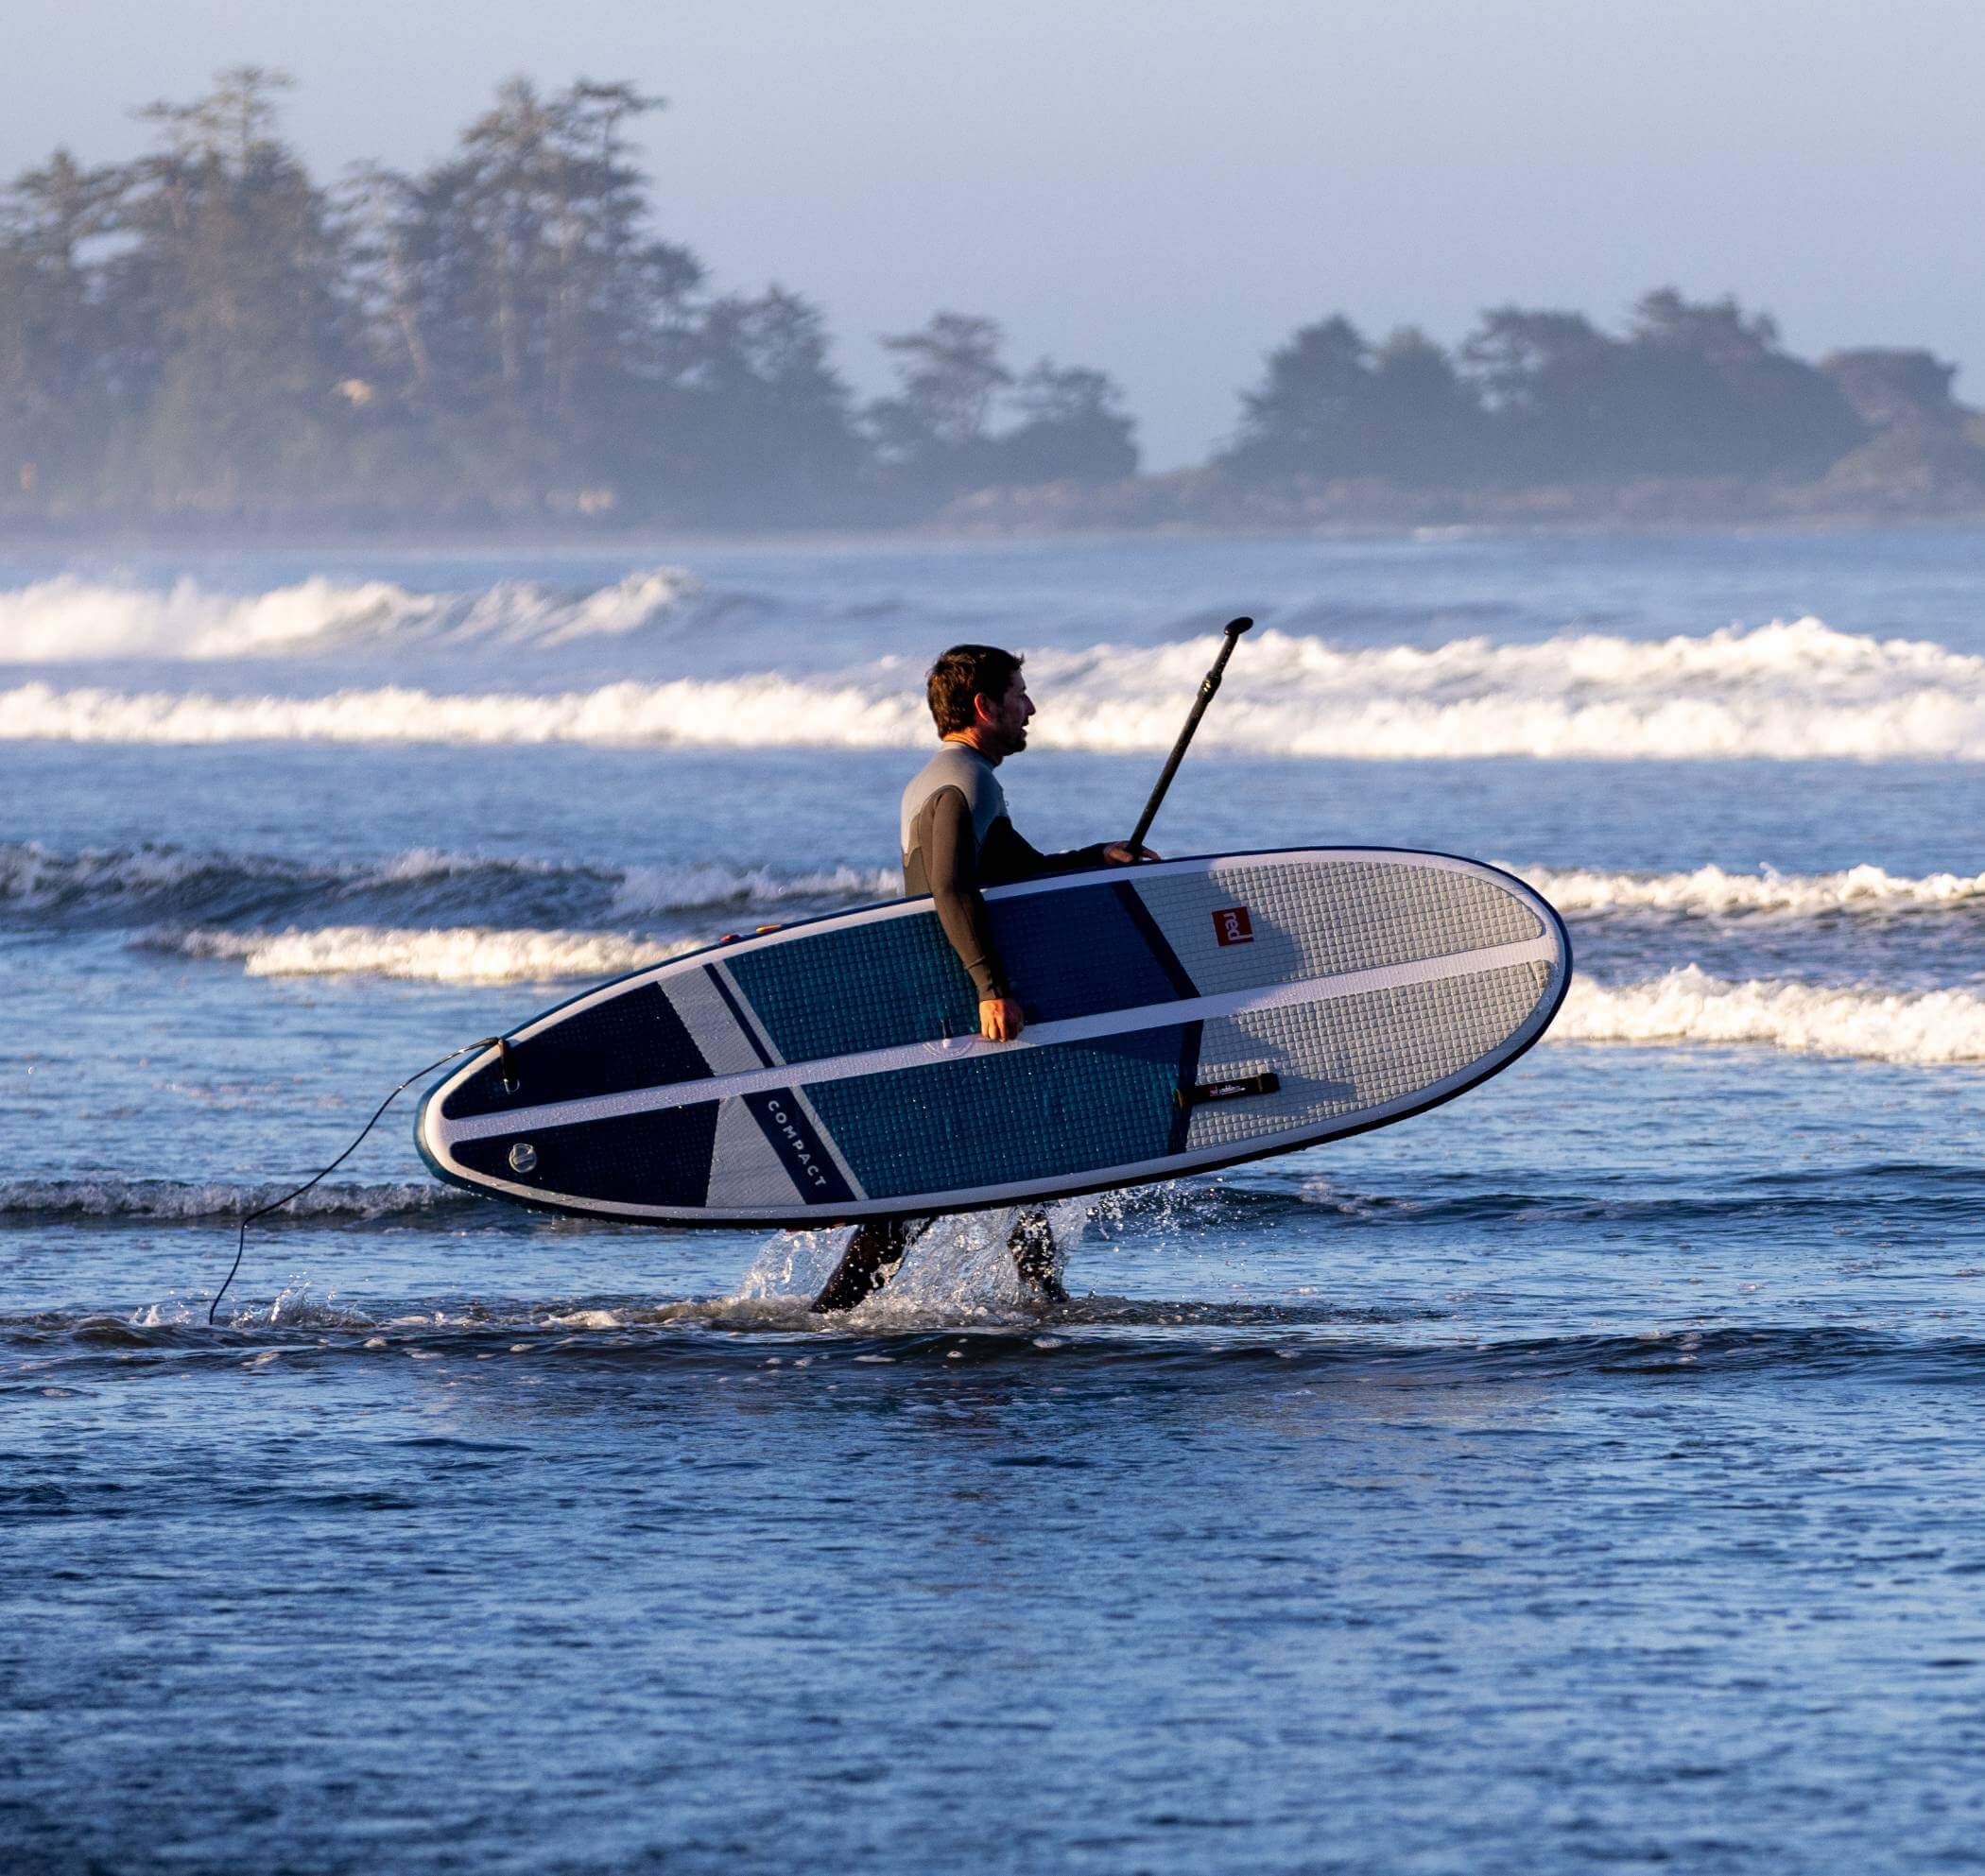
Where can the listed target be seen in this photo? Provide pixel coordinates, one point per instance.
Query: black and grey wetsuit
(956, 840)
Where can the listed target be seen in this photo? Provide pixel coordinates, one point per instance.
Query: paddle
(1208, 684)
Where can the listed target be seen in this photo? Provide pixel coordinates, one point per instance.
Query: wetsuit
(956, 840)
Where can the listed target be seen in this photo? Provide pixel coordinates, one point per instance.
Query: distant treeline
(209, 334)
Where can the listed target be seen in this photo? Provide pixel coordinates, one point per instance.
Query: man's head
(977, 695)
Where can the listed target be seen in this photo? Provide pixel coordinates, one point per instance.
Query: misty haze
(210, 336)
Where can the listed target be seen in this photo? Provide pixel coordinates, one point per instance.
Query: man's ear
(984, 711)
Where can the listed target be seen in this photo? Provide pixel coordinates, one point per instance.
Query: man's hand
(999, 1018)
(1123, 855)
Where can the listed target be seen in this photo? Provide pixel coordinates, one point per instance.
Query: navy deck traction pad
(1080, 953)
(634, 1040)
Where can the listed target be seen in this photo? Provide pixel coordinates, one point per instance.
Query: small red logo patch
(1232, 925)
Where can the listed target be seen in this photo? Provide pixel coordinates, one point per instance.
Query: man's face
(1008, 727)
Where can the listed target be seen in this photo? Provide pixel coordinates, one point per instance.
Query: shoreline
(210, 536)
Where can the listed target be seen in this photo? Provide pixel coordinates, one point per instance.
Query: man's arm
(1009, 856)
(951, 865)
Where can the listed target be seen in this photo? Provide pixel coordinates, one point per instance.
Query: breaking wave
(687, 888)
(761, 711)
(464, 954)
(153, 880)
(69, 618)
(1783, 692)
(108, 1196)
(1923, 1028)
(1709, 891)
(1100, 1349)
(39, 878)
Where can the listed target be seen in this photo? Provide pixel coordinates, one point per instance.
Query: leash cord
(241, 1241)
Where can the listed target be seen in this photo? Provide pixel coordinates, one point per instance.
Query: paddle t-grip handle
(1208, 685)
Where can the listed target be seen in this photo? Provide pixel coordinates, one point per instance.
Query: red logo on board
(1232, 925)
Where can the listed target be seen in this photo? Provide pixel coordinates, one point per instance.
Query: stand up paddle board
(1181, 1015)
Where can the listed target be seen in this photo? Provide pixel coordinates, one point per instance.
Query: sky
(1167, 188)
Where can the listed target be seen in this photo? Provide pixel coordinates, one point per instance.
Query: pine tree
(233, 280)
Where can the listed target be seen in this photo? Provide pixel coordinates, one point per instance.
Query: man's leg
(871, 1257)
(1033, 1248)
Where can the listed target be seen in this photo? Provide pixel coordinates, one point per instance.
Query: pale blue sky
(1165, 187)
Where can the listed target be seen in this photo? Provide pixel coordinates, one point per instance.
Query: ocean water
(1590, 1474)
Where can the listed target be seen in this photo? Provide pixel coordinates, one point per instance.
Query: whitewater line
(448, 955)
(1783, 692)
(1709, 890)
(1921, 1029)
(68, 617)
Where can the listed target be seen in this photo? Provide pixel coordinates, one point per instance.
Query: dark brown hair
(964, 672)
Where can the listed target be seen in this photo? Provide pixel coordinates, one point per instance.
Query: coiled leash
(508, 1071)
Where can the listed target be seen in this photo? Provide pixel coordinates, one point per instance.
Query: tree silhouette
(230, 289)
(766, 429)
(207, 332)
(65, 373)
(937, 432)
(1072, 428)
(1306, 417)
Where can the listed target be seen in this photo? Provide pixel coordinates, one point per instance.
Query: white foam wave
(1709, 891)
(761, 711)
(69, 618)
(1923, 1028)
(462, 954)
(1784, 692)
(111, 1197)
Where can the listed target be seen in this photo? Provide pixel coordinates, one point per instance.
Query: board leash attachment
(508, 1071)
(1208, 685)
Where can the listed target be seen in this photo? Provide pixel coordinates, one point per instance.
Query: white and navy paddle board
(1181, 1015)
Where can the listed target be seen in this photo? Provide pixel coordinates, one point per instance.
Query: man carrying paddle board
(957, 838)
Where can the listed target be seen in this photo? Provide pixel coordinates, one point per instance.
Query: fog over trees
(209, 334)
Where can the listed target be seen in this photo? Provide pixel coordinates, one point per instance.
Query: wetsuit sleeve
(951, 865)
(1009, 856)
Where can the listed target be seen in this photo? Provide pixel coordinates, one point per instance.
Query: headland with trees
(210, 337)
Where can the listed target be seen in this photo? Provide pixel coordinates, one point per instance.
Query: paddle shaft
(1208, 685)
